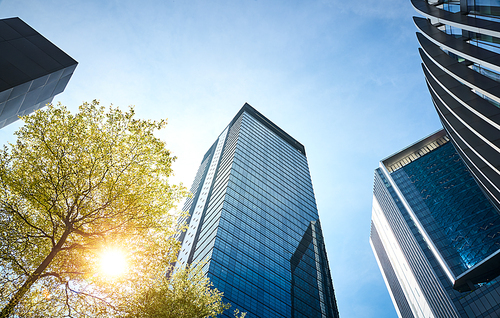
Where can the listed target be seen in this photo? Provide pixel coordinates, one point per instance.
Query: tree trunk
(7, 310)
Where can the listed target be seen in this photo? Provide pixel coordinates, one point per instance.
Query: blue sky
(342, 77)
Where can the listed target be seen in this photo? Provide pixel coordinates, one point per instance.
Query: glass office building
(460, 51)
(32, 70)
(435, 234)
(253, 218)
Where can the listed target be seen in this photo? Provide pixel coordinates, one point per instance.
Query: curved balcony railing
(458, 46)
(457, 19)
(459, 71)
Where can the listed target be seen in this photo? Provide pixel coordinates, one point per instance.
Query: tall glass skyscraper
(460, 51)
(435, 235)
(253, 218)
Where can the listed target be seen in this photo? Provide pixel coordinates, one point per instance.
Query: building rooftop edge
(414, 151)
(270, 125)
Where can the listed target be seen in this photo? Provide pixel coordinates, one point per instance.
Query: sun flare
(113, 262)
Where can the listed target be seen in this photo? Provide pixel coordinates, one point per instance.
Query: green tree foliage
(71, 187)
(187, 293)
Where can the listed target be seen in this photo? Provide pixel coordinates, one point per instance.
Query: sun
(113, 262)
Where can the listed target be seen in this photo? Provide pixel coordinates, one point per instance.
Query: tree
(186, 293)
(71, 187)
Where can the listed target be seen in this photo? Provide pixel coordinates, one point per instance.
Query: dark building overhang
(483, 272)
(32, 70)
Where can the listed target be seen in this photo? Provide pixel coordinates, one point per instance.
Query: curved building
(460, 51)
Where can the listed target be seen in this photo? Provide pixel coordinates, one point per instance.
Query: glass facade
(259, 230)
(458, 218)
(431, 223)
